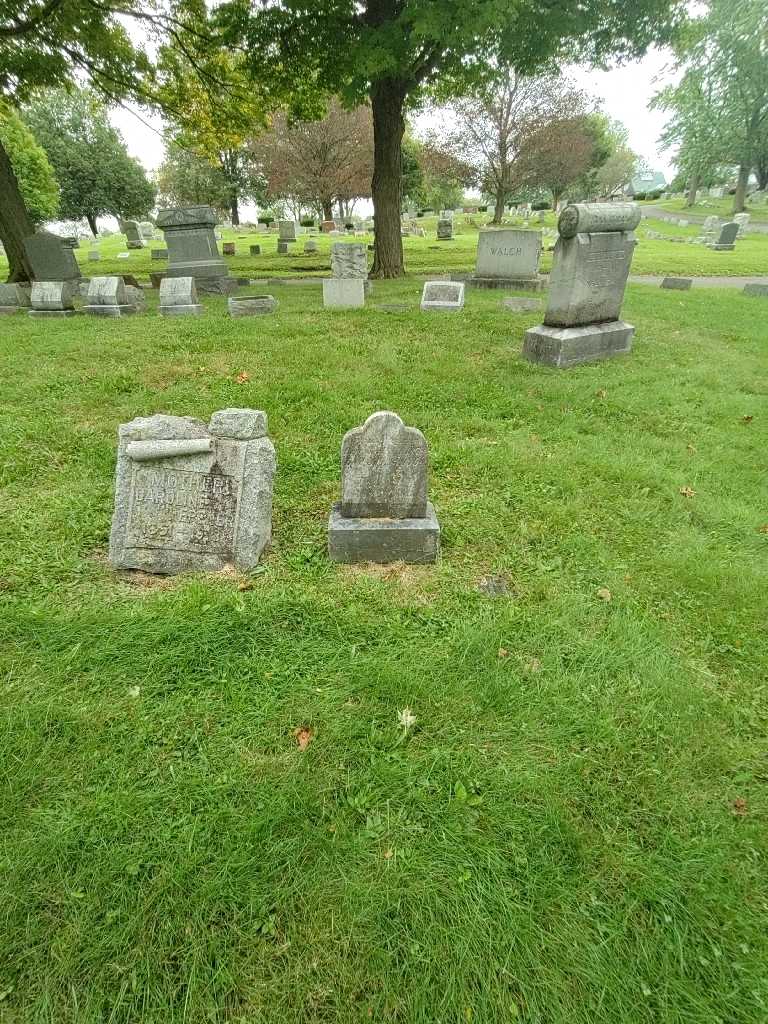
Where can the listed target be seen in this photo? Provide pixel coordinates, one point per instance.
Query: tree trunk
(761, 170)
(91, 218)
(327, 209)
(498, 210)
(387, 100)
(15, 222)
(693, 188)
(739, 200)
(234, 209)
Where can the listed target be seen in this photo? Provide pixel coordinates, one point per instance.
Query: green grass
(427, 255)
(707, 206)
(575, 830)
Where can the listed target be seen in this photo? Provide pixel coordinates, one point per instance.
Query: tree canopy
(31, 166)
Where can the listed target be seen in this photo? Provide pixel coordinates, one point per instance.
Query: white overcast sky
(624, 92)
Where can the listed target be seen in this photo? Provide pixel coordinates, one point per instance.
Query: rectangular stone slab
(588, 278)
(415, 541)
(568, 346)
(508, 253)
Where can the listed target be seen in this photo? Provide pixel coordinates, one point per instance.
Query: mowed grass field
(706, 205)
(574, 829)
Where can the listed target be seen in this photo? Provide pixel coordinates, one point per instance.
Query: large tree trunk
(15, 222)
(739, 200)
(91, 218)
(387, 99)
(327, 209)
(234, 209)
(693, 188)
(498, 210)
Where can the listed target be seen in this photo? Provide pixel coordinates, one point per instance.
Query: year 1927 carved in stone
(191, 497)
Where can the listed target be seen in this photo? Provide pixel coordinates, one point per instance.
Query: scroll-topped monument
(192, 249)
(586, 288)
(384, 515)
(191, 497)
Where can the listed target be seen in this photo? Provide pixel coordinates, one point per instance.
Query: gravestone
(228, 249)
(327, 226)
(251, 305)
(591, 266)
(711, 228)
(191, 497)
(178, 297)
(132, 233)
(71, 241)
(443, 296)
(49, 258)
(726, 240)
(742, 219)
(255, 250)
(53, 298)
(681, 284)
(343, 292)
(14, 298)
(384, 515)
(147, 229)
(192, 250)
(310, 245)
(349, 260)
(289, 230)
(756, 289)
(158, 254)
(107, 297)
(508, 258)
(445, 230)
(155, 279)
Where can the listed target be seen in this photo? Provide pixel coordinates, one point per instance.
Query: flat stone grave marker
(681, 284)
(158, 254)
(251, 305)
(178, 297)
(756, 289)
(107, 297)
(343, 292)
(228, 248)
(519, 305)
(255, 250)
(443, 296)
(384, 515)
(191, 497)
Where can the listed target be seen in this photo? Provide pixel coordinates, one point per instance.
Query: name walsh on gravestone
(586, 287)
(508, 258)
(384, 515)
(191, 497)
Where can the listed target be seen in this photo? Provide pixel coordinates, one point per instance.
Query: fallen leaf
(503, 652)
(243, 378)
(134, 691)
(687, 492)
(602, 393)
(604, 594)
(406, 718)
(739, 806)
(692, 449)
(303, 736)
(245, 585)
(388, 854)
(763, 529)
(747, 419)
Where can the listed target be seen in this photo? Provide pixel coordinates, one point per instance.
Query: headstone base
(251, 305)
(12, 309)
(568, 346)
(52, 312)
(124, 310)
(343, 292)
(134, 245)
(530, 284)
(415, 541)
(722, 248)
(194, 309)
(679, 284)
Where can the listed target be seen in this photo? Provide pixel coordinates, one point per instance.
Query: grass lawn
(573, 832)
(707, 206)
(427, 255)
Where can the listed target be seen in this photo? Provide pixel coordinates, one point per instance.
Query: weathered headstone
(251, 305)
(255, 250)
(132, 232)
(742, 219)
(191, 497)
(756, 289)
(289, 230)
(680, 284)
(586, 288)
(508, 258)
(53, 298)
(445, 230)
(107, 297)
(158, 254)
(443, 296)
(349, 260)
(384, 515)
(310, 245)
(343, 292)
(520, 305)
(14, 298)
(178, 297)
(94, 255)
(192, 249)
(726, 240)
(49, 258)
(327, 226)
(228, 248)
(147, 229)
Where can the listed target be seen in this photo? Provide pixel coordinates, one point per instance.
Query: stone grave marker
(681, 284)
(14, 297)
(726, 240)
(178, 297)
(445, 230)
(132, 232)
(343, 292)
(508, 258)
(756, 289)
(147, 229)
(53, 298)
(520, 305)
(251, 305)
(158, 254)
(191, 497)
(443, 296)
(192, 249)
(310, 245)
(327, 226)
(49, 258)
(288, 230)
(384, 515)
(742, 219)
(586, 287)
(107, 297)
(94, 255)
(71, 241)
(255, 250)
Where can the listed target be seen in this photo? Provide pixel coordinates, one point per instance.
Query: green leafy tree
(32, 170)
(390, 51)
(184, 178)
(95, 172)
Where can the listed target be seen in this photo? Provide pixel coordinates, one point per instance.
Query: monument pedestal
(415, 541)
(530, 284)
(569, 346)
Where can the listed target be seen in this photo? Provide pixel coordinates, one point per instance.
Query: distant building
(653, 182)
